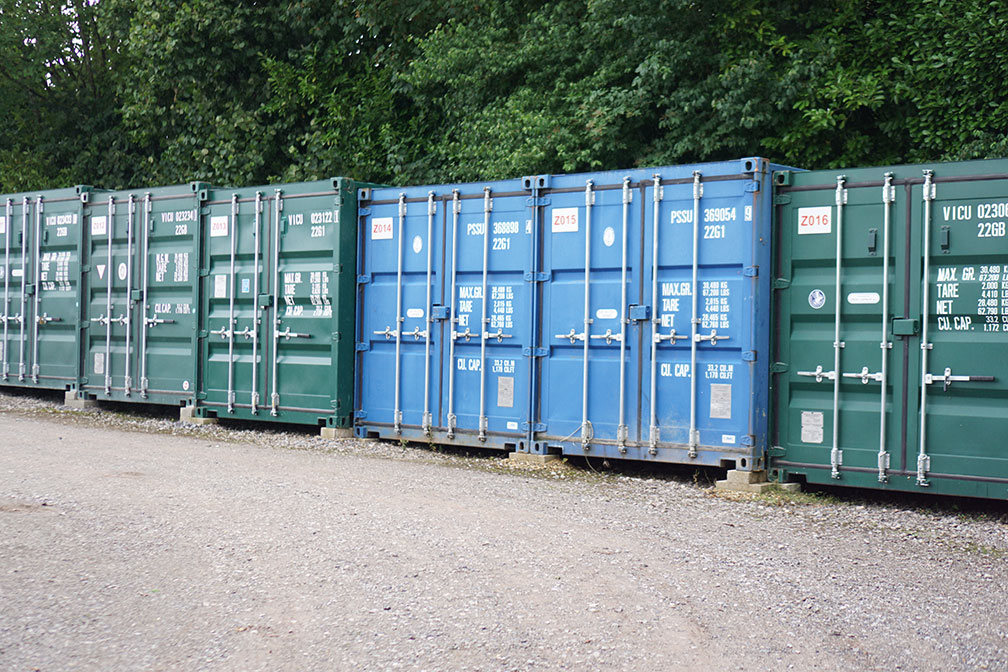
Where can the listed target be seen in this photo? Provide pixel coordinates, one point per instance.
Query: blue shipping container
(626, 314)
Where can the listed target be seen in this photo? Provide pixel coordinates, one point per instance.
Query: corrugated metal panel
(513, 374)
(140, 295)
(41, 237)
(918, 257)
(277, 302)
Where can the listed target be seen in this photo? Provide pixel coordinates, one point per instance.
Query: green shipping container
(139, 289)
(278, 285)
(41, 238)
(897, 278)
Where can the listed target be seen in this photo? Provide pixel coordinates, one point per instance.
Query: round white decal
(121, 271)
(417, 244)
(185, 385)
(817, 299)
(608, 236)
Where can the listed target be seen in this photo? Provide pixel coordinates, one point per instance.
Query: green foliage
(123, 92)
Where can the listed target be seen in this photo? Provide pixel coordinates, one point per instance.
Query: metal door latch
(672, 337)
(865, 376)
(947, 378)
(223, 332)
(387, 333)
(712, 337)
(288, 334)
(573, 336)
(44, 318)
(500, 335)
(818, 374)
(467, 334)
(609, 336)
(154, 321)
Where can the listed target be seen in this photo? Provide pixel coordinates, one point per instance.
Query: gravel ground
(134, 542)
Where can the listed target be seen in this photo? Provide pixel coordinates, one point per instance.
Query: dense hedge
(133, 92)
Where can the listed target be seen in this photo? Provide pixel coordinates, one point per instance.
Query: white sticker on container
(414, 312)
(16, 272)
(218, 226)
(185, 385)
(815, 220)
(728, 439)
(417, 244)
(863, 298)
(505, 392)
(512, 425)
(817, 298)
(121, 271)
(3, 225)
(101, 270)
(381, 228)
(720, 401)
(99, 363)
(220, 284)
(609, 236)
(748, 213)
(811, 427)
(99, 225)
(246, 285)
(564, 220)
(606, 314)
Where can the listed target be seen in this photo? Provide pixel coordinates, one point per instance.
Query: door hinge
(782, 199)
(778, 367)
(203, 333)
(750, 271)
(362, 347)
(364, 279)
(534, 352)
(748, 440)
(542, 200)
(781, 283)
(777, 451)
(360, 415)
(336, 337)
(752, 187)
(537, 427)
(364, 212)
(749, 356)
(439, 312)
(536, 277)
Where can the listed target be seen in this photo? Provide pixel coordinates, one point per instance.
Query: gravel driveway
(137, 543)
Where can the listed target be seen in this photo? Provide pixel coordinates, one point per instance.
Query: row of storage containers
(236, 302)
(843, 327)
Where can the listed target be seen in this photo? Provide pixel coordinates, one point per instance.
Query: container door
(403, 249)
(239, 331)
(16, 272)
(302, 279)
(108, 366)
(701, 390)
(590, 378)
(165, 315)
(54, 330)
(846, 303)
(487, 375)
(962, 383)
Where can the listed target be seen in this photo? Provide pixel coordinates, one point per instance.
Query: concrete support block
(71, 400)
(336, 433)
(532, 458)
(186, 416)
(753, 481)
